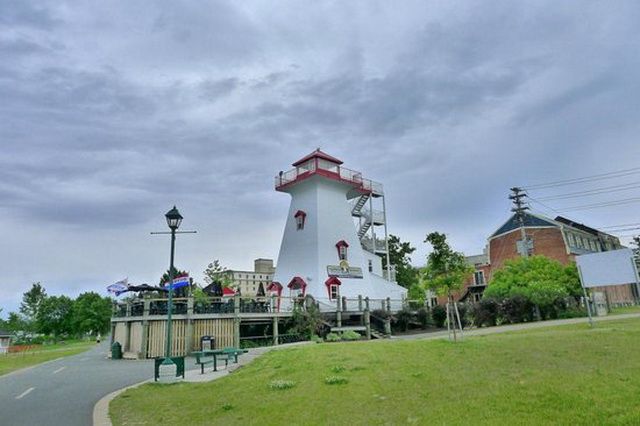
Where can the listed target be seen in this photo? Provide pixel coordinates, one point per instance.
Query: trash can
(116, 350)
(207, 343)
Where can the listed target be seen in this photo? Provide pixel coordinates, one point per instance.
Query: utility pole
(519, 209)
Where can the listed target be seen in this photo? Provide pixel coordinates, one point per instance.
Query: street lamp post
(174, 218)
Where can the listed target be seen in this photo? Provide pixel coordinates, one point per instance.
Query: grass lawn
(558, 375)
(12, 362)
(626, 310)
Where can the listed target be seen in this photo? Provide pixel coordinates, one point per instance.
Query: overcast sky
(112, 112)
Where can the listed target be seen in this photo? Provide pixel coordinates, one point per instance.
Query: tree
(31, 302)
(16, 322)
(55, 316)
(91, 313)
(216, 273)
(406, 275)
(446, 270)
(541, 280)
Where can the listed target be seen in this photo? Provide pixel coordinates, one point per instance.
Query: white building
(249, 282)
(325, 252)
(5, 340)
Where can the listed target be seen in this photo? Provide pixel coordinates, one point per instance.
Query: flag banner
(119, 287)
(182, 281)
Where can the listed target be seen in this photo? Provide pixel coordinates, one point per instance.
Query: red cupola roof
(317, 154)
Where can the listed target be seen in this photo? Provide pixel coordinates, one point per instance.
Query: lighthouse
(335, 234)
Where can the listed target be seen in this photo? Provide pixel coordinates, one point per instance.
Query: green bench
(230, 353)
(203, 359)
(213, 356)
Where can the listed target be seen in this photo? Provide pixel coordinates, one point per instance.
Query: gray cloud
(111, 113)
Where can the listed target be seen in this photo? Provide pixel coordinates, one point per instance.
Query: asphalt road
(63, 392)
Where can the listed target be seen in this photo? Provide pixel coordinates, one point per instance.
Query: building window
(478, 277)
(342, 250)
(333, 289)
(300, 217)
(572, 240)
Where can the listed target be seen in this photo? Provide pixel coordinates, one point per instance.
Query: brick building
(560, 239)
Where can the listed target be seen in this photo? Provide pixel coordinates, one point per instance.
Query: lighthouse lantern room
(331, 247)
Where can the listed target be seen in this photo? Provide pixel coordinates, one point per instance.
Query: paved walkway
(101, 410)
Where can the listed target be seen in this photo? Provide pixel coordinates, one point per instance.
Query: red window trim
(300, 282)
(332, 281)
(342, 244)
(300, 222)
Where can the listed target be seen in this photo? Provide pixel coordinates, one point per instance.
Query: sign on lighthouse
(335, 233)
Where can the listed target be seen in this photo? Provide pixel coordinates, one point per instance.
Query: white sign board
(607, 268)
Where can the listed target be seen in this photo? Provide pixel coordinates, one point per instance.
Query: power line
(606, 190)
(619, 226)
(614, 231)
(591, 178)
(605, 204)
(544, 205)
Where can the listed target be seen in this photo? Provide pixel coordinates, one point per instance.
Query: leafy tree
(541, 280)
(216, 273)
(446, 269)
(91, 313)
(31, 302)
(416, 293)
(55, 316)
(16, 322)
(406, 275)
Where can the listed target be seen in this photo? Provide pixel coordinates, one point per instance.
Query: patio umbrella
(146, 287)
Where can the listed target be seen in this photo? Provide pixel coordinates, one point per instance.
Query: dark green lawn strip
(13, 362)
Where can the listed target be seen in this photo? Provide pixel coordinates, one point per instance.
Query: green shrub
(337, 369)
(439, 315)
(424, 318)
(336, 380)
(486, 312)
(516, 309)
(572, 312)
(332, 337)
(281, 384)
(403, 318)
(317, 339)
(351, 335)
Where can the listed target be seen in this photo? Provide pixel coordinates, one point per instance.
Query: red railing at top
(331, 170)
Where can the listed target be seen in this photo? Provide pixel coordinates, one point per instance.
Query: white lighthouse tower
(325, 252)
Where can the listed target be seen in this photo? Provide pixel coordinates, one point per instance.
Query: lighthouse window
(333, 291)
(300, 217)
(343, 252)
(342, 249)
